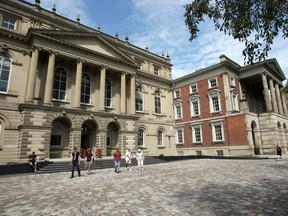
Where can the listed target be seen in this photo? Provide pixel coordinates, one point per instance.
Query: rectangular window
(212, 83)
(195, 108)
(196, 134)
(156, 72)
(193, 88)
(178, 111)
(139, 100)
(215, 103)
(217, 132)
(220, 152)
(179, 135)
(8, 23)
(198, 153)
(177, 93)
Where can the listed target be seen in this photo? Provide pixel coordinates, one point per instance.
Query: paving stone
(191, 187)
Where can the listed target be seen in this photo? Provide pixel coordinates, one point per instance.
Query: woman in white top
(128, 157)
(140, 159)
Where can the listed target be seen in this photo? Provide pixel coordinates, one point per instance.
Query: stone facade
(64, 84)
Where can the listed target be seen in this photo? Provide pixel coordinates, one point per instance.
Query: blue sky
(160, 25)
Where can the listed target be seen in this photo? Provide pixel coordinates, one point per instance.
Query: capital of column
(53, 52)
(80, 60)
(104, 67)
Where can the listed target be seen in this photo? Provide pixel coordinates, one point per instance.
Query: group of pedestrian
(128, 158)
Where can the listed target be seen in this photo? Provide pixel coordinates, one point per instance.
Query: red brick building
(227, 109)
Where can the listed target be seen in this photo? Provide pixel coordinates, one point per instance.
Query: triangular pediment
(90, 42)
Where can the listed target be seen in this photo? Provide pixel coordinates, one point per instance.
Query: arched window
(60, 82)
(85, 89)
(160, 138)
(108, 93)
(139, 99)
(140, 137)
(5, 65)
(157, 102)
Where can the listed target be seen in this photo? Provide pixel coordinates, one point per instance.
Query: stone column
(284, 104)
(49, 79)
(279, 101)
(123, 93)
(77, 93)
(266, 92)
(32, 75)
(132, 91)
(102, 88)
(273, 96)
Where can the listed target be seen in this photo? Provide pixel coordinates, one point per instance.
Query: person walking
(75, 161)
(140, 159)
(117, 160)
(128, 157)
(88, 161)
(32, 161)
(279, 152)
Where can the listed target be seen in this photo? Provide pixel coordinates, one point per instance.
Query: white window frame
(177, 93)
(192, 100)
(211, 82)
(214, 135)
(191, 87)
(178, 113)
(212, 95)
(193, 128)
(179, 132)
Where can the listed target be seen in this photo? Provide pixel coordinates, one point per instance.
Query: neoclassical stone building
(63, 84)
(226, 109)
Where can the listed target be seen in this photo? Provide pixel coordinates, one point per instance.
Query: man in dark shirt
(32, 161)
(75, 162)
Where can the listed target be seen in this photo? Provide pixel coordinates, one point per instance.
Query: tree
(255, 22)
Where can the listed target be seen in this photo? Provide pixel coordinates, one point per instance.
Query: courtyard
(190, 187)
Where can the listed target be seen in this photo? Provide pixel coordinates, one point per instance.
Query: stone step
(64, 166)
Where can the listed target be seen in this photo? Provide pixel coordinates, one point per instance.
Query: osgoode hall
(64, 84)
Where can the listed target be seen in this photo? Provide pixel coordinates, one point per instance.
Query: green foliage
(254, 22)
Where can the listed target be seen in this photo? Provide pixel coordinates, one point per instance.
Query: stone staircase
(64, 166)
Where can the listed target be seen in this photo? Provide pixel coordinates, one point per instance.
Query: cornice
(153, 77)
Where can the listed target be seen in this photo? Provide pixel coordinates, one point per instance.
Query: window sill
(161, 147)
(213, 113)
(196, 116)
(197, 143)
(179, 143)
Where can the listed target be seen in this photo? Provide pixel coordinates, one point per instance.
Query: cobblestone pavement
(191, 187)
